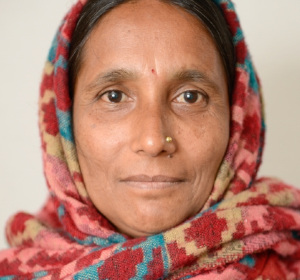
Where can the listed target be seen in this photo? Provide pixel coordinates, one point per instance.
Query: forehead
(151, 34)
(150, 20)
(149, 13)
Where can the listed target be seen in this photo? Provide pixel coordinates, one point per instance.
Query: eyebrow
(194, 75)
(117, 75)
(111, 76)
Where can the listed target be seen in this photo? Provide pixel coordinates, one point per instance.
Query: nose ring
(169, 139)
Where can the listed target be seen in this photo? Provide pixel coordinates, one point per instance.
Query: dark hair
(205, 10)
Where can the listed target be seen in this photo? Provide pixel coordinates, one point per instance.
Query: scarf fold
(249, 228)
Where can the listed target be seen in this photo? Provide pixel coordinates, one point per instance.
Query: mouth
(152, 182)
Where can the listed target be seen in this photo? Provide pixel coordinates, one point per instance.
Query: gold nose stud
(169, 139)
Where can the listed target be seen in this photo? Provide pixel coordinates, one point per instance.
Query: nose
(152, 132)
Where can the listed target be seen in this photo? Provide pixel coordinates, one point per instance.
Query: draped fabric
(248, 228)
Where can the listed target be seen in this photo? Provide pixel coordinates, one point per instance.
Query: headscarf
(247, 229)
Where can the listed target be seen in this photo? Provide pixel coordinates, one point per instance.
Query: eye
(191, 96)
(114, 96)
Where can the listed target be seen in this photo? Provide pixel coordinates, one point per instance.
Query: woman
(151, 144)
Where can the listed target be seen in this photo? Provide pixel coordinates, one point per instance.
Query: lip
(143, 181)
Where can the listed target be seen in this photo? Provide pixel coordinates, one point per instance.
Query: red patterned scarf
(248, 228)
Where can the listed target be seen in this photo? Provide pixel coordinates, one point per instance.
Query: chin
(150, 225)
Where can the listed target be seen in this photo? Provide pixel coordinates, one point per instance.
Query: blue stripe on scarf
(248, 261)
(61, 62)
(90, 273)
(156, 241)
(40, 274)
(65, 128)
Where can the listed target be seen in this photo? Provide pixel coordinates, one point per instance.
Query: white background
(26, 30)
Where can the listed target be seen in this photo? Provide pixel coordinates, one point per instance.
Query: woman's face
(150, 70)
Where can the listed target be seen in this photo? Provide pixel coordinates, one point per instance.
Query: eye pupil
(190, 97)
(114, 96)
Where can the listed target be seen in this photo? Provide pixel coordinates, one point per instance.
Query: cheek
(206, 140)
(98, 144)
(97, 138)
